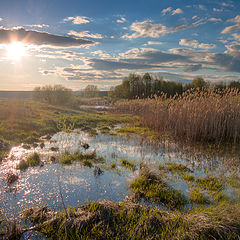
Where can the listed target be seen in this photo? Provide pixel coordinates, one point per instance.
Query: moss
(33, 160)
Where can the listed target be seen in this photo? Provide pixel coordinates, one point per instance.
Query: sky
(77, 43)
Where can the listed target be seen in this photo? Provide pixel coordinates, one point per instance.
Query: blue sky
(77, 43)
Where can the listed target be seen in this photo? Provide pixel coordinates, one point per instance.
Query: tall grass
(206, 115)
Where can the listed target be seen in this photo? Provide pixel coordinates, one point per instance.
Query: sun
(16, 50)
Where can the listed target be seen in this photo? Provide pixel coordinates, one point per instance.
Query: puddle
(78, 185)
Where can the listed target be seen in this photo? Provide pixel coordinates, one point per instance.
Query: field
(156, 168)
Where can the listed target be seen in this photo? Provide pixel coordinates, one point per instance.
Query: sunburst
(15, 50)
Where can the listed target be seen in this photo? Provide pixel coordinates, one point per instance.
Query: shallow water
(56, 185)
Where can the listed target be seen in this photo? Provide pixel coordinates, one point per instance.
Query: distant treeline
(143, 86)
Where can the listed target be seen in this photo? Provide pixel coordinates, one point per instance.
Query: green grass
(113, 165)
(24, 120)
(154, 189)
(197, 196)
(22, 165)
(175, 167)
(210, 183)
(124, 220)
(127, 164)
(33, 160)
(86, 159)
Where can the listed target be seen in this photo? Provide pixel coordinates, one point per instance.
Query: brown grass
(208, 115)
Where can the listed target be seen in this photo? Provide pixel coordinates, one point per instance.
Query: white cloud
(164, 11)
(177, 11)
(101, 53)
(195, 44)
(199, 22)
(234, 20)
(202, 7)
(121, 20)
(38, 25)
(206, 46)
(236, 36)
(194, 17)
(229, 29)
(1, 19)
(217, 10)
(153, 43)
(215, 19)
(149, 29)
(227, 4)
(77, 19)
(188, 43)
(85, 34)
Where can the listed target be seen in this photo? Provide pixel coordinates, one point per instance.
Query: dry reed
(206, 115)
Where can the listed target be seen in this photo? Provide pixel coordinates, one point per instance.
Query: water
(77, 184)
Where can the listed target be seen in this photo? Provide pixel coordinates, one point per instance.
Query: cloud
(121, 20)
(1, 19)
(192, 68)
(215, 20)
(234, 20)
(228, 62)
(236, 36)
(229, 29)
(233, 49)
(217, 10)
(164, 11)
(177, 11)
(153, 43)
(227, 4)
(195, 44)
(172, 11)
(85, 34)
(201, 7)
(77, 19)
(149, 29)
(101, 53)
(38, 25)
(188, 43)
(40, 38)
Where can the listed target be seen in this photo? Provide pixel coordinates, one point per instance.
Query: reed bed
(198, 115)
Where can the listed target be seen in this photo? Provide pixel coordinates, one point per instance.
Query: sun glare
(16, 50)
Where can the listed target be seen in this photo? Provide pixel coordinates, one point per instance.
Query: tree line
(143, 86)
(133, 86)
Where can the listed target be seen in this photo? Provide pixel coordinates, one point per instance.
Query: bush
(56, 95)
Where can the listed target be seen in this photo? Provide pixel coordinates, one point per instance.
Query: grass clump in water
(67, 159)
(152, 187)
(33, 160)
(113, 165)
(127, 164)
(86, 159)
(22, 165)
